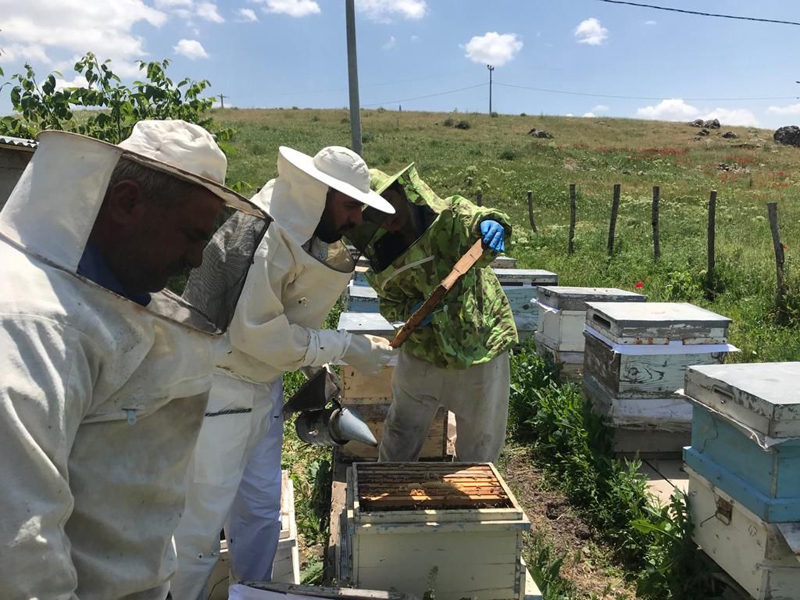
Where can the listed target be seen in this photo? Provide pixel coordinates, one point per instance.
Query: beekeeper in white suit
(103, 391)
(300, 270)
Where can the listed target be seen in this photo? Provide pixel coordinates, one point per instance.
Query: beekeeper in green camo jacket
(458, 358)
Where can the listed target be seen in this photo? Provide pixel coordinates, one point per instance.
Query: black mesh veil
(213, 289)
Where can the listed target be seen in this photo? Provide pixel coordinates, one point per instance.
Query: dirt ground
(587, 563)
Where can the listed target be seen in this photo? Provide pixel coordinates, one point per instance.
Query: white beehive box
(635, 358)
(520, 287)
(562, 315)
(455, 530)
(746, 434)
(359, 298)
(286, 567)
(761, 557)
(371, 396)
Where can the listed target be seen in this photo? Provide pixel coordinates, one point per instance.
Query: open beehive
(452, 529)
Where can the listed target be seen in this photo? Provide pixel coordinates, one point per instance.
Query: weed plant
(573, 446)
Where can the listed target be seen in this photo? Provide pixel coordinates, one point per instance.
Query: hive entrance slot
(418, 486)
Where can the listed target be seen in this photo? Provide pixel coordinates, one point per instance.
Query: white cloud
(173, 3)
(32, 52)
(191, 49)
(293, 8)
(676, 109)
(650, 23)
(390, 44)
(569, 115)
(208, 12)
(591, 32)
(737, 117)
(45, 30)
(791, 109)
(382, 11)
(672, 109)
(589, 115)
(77, 81)
(599, 108)
(414, 38)
(246, 15)
(493, 48)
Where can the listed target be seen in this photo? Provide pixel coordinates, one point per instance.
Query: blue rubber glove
(493, 235)
(426, 320)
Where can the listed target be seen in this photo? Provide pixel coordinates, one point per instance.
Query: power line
(702, 14)
(471, 87)
(589, 95)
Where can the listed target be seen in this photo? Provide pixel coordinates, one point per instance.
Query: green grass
(496, 156)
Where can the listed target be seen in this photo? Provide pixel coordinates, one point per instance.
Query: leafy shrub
(448, 122)
(508, 154)
(493, 115)
(117, 108)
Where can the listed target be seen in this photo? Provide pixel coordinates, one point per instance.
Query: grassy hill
(497, 156)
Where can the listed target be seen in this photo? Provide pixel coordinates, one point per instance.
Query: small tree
(107, 109)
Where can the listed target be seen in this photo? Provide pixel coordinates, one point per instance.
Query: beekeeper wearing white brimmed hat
(105, 377)
(300, 270)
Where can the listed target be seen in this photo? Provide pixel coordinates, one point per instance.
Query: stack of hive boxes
(451, 530)
(562, 315)
(635, 360)
(744, 473)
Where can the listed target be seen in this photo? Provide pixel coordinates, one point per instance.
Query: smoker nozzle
(333, 427)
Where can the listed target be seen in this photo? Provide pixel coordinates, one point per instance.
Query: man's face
(341, 214)
(400, 218)
(164, 241)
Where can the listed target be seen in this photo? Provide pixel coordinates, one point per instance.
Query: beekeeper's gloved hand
(493, 235)
(426, 320)
(368, 353)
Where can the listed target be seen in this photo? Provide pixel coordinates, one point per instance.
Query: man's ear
(124, 202)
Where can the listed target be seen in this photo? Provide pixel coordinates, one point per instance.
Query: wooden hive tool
(464, 264)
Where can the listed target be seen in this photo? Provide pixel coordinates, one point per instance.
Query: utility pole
(352, 70)
(222, 100)
(491, 68)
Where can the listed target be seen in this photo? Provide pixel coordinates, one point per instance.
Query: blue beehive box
(746, 434)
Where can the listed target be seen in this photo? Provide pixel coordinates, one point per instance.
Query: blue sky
(268, 53)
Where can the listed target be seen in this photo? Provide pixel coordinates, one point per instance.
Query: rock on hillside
(540, 133)
(790, 135)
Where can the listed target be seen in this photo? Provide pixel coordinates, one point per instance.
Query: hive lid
(365, 292)
(563, 297)
(645, 323)
(513, 277)
(406, 492)
(764, 397)
(360, 322)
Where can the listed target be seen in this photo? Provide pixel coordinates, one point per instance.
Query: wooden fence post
(656, 241)
(780, 296)
(531, 216)
(712, 220)
(479, 198)
(572, 210)
(612, 227)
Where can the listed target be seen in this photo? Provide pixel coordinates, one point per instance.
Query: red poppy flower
(784, 246)
(639, 285)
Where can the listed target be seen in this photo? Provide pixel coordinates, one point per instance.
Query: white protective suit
(101, 399)
(290, 289)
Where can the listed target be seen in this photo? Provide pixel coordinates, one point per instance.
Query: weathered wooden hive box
(455, 530)
(520, 287)
(635, 358)
(371, 396)
(562, 315)
(15, 154)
